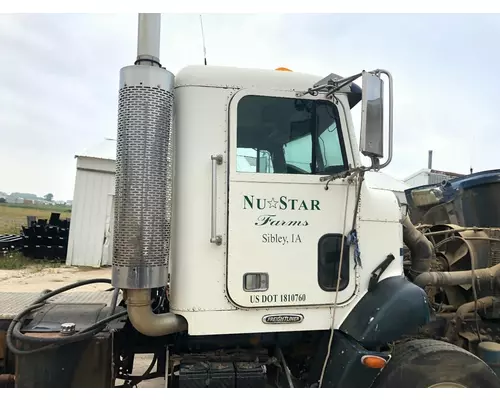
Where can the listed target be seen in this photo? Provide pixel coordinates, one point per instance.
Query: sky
(59, 80)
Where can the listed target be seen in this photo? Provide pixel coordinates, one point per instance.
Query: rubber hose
(421, 249)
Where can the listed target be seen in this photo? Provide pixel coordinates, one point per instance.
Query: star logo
(272, 203)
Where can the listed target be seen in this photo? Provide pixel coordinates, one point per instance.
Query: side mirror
(372, 116)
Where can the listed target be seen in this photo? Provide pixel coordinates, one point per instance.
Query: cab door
(285, 227)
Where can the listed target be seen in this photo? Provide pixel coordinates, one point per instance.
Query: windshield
(289, 136)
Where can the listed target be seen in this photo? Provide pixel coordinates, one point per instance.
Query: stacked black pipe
(44, 239)
(10, 243)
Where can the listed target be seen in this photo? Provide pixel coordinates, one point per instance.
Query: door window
(289, 136)
(329, 252)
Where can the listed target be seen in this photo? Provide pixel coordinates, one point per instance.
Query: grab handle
(214, 238)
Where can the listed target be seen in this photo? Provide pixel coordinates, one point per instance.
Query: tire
(426, 363)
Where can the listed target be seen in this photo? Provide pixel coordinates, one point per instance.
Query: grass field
(13, 216)
(13, 261)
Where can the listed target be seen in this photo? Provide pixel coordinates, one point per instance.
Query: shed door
(107, 248)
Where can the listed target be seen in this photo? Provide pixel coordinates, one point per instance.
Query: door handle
(214, 238)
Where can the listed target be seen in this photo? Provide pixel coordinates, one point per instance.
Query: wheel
(425, 363)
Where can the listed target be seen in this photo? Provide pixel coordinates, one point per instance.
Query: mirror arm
(344, 82)
(331, 86)
(391, 106)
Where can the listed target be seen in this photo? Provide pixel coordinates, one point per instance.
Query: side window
(288, 136)
(329, 249)
(251, 160)
(331, 148)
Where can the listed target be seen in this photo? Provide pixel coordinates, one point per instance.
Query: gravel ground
(35, 279)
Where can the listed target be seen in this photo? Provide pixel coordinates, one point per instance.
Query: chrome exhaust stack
(143, 198)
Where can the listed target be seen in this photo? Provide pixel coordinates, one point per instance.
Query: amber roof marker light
(283, 69)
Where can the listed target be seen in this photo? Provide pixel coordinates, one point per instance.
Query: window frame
(343, 128)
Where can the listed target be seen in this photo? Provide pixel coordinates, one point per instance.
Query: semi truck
(250, 250)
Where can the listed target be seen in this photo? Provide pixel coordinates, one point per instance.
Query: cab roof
(246, 78)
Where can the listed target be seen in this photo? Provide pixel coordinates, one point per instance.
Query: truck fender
(344, 367)
(394, 308)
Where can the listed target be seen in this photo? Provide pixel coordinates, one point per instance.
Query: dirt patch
(36, 279)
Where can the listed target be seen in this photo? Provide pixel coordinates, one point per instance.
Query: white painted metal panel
(200, 132)
(89, 211)
(242, 78)
(418, 180)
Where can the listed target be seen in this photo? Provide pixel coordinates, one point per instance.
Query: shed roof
(433, 171)
(105, 150)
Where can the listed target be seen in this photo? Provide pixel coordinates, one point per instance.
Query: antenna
(203, 38)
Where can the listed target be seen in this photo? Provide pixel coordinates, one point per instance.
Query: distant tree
(48, 196)
(29, 196)
(2, 200)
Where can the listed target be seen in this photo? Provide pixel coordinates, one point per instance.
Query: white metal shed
(91, 229)
(427, 176)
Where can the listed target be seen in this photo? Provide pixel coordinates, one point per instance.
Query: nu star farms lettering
(271, 216)
(282, 203)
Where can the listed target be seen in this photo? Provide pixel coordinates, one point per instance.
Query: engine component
(489, 352)
(458, 277)
(482, 303)
(472, 306)
(422, 251)
(460, 249)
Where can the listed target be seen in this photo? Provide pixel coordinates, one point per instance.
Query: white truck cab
(263, 254)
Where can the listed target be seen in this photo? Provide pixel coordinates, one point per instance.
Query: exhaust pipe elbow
(422, 250)
(145, 321)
